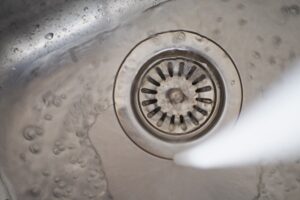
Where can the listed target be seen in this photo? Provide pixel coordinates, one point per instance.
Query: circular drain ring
(143, 52)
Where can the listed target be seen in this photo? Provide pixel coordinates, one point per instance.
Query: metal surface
(161, 110)
(4, 195)
(64, 86)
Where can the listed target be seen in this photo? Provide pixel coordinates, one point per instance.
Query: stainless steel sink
(60, 137)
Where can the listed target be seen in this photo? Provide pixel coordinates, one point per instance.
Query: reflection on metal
(48, 26)
(170, 91)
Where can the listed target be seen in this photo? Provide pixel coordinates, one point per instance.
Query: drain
(178, 95)
(173, 88)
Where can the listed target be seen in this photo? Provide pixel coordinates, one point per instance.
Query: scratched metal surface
(60, 138)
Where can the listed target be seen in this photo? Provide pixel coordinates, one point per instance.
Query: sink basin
(60, 136)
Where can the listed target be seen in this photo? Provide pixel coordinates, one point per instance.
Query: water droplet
(93, 173)
(35, 148)
(101, 107)
(73, 159)
(84, 18)
(80, 161)
(63, 96)
(46, 173)
(216, 32)
(251, 65)
(48, 98)
(276, 40)
(39, 131)
(243, 22)
(256, 55)
(16, 50)
(96, 185)
(292, 10)
(55, 151)
(58, 193)
(100, 183)
(260, 39)
(23, 157)
(85, 193)
(48, 117)
(37, 26)
(69, 189)
(62, 184)
(81, 133)
(272, 60)
(61, 148)
(29, 132)
(57, 179)
(71, 146)
(57, 101)
(58, 148)
(178, 37)
(298, 179)
(287, 189)
(49, 36)
(35, 191)
(82, 165)
(91, 195)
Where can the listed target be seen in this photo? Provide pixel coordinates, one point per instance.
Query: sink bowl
(60, 130)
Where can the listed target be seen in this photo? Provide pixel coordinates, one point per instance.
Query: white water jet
(267, 132)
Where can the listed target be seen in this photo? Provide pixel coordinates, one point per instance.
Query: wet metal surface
(59, 135)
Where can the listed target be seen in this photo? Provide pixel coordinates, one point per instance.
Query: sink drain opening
(178, 95)
(173, 88)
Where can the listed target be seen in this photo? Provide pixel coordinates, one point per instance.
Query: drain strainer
(178, 95)
(173, 88)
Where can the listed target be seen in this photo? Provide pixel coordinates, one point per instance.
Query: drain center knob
(175, 95)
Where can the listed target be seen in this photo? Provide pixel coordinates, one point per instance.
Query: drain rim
(143, 51)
